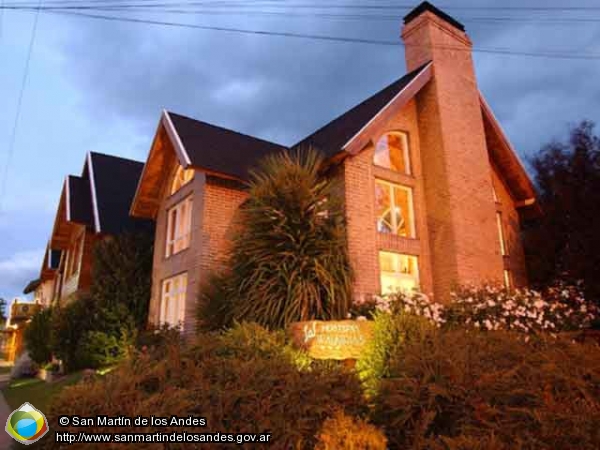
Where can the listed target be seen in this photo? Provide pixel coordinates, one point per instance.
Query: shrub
(344, 432)
(560, 307)
(37, 336)
(289, 259)
(241, 381)
(82, 328)
(468, 389)
(391, 331)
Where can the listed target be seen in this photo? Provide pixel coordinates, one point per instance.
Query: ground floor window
(172, 301)
(398, 272)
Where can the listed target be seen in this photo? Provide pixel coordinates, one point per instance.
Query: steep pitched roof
(331, 138)
(79, 205)
(218, 149)
(113, 183)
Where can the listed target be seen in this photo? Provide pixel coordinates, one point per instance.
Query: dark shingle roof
(332, 137)
(116, 181)
(219, 149)
(32, 286)
(80, 200)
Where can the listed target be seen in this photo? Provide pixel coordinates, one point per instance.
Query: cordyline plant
(289, 259)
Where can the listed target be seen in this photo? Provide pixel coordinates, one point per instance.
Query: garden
(489, 369)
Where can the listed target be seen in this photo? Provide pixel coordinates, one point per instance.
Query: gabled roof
(113, 182)
(32, 286)
(100, 199)
(218, 149)
(332, 138)
(79, 206)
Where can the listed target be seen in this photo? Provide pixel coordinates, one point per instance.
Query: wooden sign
(332, 339)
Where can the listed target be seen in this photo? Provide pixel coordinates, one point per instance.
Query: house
(434, 192)
(91, 207)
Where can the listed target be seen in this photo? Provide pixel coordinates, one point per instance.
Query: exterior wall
(515, 260)
(45, 292)
(461, 218)
(364, 241)
(187, 260)
(81, 280)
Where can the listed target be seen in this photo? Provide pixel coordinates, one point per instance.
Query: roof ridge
(116, 157)
(228, 130)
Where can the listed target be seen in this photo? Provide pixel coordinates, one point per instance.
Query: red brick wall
(515, 261)
(460, 213)
(364, 242)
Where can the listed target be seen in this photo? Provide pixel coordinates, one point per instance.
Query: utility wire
(503, 51)
(320, 15)
(13, 135)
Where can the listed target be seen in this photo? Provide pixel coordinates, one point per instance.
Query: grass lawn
(35, 391)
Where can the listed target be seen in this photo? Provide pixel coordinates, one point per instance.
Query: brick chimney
(461, 218)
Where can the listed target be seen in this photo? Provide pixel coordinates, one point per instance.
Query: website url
(128, 438)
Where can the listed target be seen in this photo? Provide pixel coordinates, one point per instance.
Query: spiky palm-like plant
(289, 258)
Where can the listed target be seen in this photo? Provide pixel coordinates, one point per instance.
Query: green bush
(391, 332)
(82, 328)
(465, 389)
(37, 336)
(289, 259)
(244, 380)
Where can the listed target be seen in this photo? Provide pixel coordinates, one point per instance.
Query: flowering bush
(560, 307)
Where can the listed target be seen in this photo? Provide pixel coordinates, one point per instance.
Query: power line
(11, 145)
(319, 15)
(503, 51)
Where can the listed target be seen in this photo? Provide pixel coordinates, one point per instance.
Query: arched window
(181, 178)
(392, 153)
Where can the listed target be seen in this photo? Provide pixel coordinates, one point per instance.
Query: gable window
(172, 300)
(179, 225)
(392, 153)
(181, 178)
(394, 208)
(74, 257)
(398, 272)
(503, 246)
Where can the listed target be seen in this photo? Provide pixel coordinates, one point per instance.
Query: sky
(96, 85)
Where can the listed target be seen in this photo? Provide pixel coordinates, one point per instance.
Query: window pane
(181, 178)
(398, 272)
(391, 152)
(394, 209)
(383, 207)
(503, 249)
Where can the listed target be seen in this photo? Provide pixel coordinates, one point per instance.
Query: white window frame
(405, 152)
(507, 279)
(397, 273)
(391, 186)
(500, 225)
(172, 300)
(179, 229)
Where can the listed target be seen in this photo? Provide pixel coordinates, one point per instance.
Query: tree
(565, 241)
(289, 257)
(122, 275)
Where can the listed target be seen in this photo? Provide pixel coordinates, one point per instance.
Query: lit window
(391, 152)
(172, 301)
(182, 177)
(394, 209)
(503, 247)
(507, 279)
(179, 225)
(398, 272)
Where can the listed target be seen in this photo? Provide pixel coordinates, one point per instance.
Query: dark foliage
(289, 258)
(122, 273)
(565, 242)
(37, 336)
(242, 381)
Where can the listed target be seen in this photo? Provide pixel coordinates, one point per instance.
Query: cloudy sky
(101, 85)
